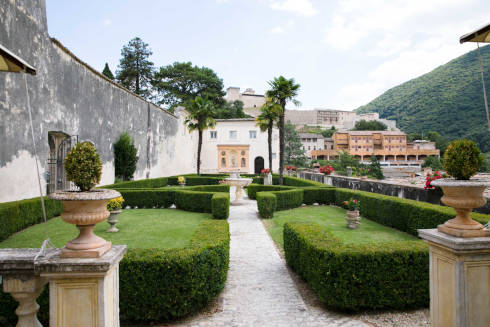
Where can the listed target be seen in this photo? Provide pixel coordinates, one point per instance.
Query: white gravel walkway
(259, 290)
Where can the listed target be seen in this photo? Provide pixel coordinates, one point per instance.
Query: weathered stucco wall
(401, 191)
(67, 95)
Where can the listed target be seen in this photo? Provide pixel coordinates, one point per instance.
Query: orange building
(387, 146)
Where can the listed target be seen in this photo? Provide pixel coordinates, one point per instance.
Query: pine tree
(293, 150)
(107, 72)
(135, 71)
(125, 157)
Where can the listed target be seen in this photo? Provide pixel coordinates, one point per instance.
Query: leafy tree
(293, 150)
(441, 141)
(282, 90)
(328, 132)
(269, 115)
(375, 168)
(230, 110)
(135, 71)
(433, 162)
(125, 157)
(369, 125)
(107, 72)
(414, 136)
(180, 83)
(200, 118)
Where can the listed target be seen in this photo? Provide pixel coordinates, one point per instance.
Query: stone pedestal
(459, 279)
(83, 292)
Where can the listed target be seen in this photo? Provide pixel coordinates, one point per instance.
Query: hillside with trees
(448, 100)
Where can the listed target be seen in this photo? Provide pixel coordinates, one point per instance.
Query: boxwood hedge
(252, 189)
(266, 204)
(392, 275)
(158, 284)
(198, 201)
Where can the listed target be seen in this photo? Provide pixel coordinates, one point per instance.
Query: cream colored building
(238, 145)
(248, 97)
(311, 142)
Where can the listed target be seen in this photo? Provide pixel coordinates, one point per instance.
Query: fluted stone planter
(112, 220)
(463, 196)
(353, 219)
(85, 210)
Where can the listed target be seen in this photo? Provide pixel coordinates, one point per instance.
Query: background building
(249, 98)
(311, 142)
(389, 147)
(238, 145)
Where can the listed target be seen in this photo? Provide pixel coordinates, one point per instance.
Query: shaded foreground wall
(69, 96)
(401, 191)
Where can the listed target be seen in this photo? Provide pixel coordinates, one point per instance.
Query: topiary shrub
(83, 166)
(462, 159)
(125, 157)
(220, 205)
(266, 203)
(288, 199)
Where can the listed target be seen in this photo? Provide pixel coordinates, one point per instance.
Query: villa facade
(238, 145)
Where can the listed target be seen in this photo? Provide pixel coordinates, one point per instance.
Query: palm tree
(282, 90)
(265, 121)
(201, 111)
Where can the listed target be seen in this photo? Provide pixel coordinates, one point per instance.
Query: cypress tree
(107, 72)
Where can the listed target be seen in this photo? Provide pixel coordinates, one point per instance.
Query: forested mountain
(448, 100)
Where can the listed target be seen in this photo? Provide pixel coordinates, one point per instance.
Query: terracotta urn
(85, 210)
(463, 196)
(112, 220)
(353, 219)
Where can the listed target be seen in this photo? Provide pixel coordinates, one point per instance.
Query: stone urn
(112, 220)
(268, 179)
(85, 209)
(182, 185)
(353, 219)
(463, 196)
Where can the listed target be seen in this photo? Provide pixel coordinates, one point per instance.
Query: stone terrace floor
(260, 290)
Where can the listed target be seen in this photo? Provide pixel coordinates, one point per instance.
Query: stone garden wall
(69, 96)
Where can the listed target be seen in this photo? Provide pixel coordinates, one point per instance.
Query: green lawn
(138, 228)
(333, 219)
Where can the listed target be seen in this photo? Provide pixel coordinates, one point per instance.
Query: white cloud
(277, 30)
(354, 95)
(107, 22)
(303, 7)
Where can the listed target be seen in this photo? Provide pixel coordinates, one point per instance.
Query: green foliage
(142, 183)
(148, 198)
(329, 132)
(320, 195)
(392, 275)
(252, 189)
(485, 167)
(269, 115)
(293, 150)
(83, 166)
(230, 109)
(462, 159)
(266, 204)
(161, 285)
(369, 125)
(402, 214)
(17, 215)
(107, 72)
(125, 157)
(433, 162)
(192, 180)
(282, 90)
(288, 199)
(375, 169)
(220, 205)
(135, 71)
(299, 182)
(115, 204)
(200, 118)
(441, 141)
(449, 100)
(180, 83)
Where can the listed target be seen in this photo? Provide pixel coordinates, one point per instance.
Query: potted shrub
(266, 173)
(353, 218)
(462, 160)
(114, 206)
(181, 181)
(86, 207)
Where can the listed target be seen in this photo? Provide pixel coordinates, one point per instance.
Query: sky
(343, 53)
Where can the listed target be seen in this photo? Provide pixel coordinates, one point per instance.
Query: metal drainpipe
(148, 140)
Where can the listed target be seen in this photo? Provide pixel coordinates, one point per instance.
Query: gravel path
(259, 290)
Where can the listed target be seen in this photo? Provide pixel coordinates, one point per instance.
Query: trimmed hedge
(202, 202)
(220, 205)
(266, 204)
(288, 199)
(148, 198)
(142, 183)
(192, 180)
(402, 214)
(300, 182)
(252, 189)
(320, 195)
(162, 285)
(392, 275)
(17, 215)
